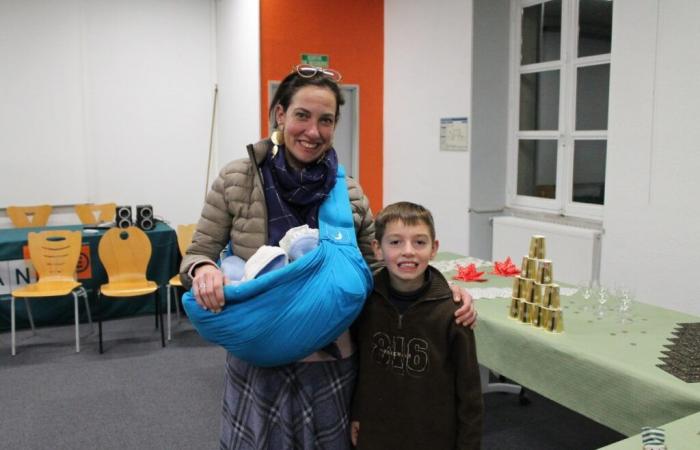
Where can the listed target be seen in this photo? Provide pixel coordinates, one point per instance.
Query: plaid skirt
(301, 406)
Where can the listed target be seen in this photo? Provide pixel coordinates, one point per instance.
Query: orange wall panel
(351, 33)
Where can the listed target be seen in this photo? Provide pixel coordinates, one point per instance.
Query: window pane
(537, 168)
(541, 33)
(592, 90)
(539, 100)
(589, 171)
(594, 27)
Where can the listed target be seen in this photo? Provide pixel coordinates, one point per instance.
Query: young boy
(418, 385)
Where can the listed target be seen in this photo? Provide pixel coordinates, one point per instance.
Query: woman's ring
(202, 286)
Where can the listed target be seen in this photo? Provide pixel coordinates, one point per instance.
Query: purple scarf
(293, 196)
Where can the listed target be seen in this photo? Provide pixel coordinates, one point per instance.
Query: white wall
(41, 108)
(149, 81)
(652, 217)
(427, 76)
(118, 93)
(238, 70)
(489, 106)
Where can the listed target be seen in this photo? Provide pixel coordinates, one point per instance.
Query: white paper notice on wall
(454, 134)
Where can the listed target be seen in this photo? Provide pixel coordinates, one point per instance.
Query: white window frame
(566, 135)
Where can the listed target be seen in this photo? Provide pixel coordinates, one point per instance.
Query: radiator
(574, 251)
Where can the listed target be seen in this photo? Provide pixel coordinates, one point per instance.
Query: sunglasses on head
(309, 71)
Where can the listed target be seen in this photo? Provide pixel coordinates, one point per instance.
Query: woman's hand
(208, 285)
(354, 432)
(466, 314)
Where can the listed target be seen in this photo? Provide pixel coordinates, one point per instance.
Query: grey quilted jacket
(235, 211)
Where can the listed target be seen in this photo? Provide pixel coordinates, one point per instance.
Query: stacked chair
(90, 214)
(29, 216)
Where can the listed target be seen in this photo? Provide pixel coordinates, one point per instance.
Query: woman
(253, 203)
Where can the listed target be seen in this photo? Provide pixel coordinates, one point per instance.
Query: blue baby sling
(289, 313)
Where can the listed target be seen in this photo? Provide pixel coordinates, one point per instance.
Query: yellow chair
(184, 239)
(29, 216)
(125, 254)
(90, 214)
(54, 255)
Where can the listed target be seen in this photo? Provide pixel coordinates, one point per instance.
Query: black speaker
(123, 217)
(144, 217)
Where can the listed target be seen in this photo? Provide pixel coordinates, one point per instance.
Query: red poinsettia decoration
(505, 268)
(468, 273)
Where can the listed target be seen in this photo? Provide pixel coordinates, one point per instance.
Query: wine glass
(602, 295)
(586, 288)
(625, 295)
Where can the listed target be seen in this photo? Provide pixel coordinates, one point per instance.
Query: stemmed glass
(602, 294)
(625, 295)
(587, 289)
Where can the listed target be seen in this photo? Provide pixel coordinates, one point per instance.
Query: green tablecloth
(59, 310)
(683, 434)
(598, 367)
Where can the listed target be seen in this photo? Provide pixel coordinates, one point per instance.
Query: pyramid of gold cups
(535, 296)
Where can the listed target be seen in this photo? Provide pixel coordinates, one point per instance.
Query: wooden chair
(29, 216)
(54, 255)
(90, 214)
(125, 254)
(184, 239)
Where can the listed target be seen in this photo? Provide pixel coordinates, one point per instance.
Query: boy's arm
(470, 406)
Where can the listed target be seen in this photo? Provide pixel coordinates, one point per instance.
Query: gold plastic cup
(514, 307)
(516, 287)
(544, 272)
(532, 268)
(536, 315)
(558, 322)
(537, 247)
(528, 290)
(550, 298)
(522, 282)
(545, 314)
(555, 322)
(547, 296)
(524, 312)
(537, 289)
(524, 266)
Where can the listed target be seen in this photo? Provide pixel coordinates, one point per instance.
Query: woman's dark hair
(293, 82)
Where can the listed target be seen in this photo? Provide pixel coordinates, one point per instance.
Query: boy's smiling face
(406, 250)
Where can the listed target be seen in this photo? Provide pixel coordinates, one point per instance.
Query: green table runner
(599, 367)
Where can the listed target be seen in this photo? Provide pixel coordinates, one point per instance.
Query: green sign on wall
(314, 59)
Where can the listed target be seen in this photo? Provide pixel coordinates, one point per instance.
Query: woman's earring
(277, 139)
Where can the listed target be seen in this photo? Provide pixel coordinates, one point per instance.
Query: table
(597, 367)
(682, 434)
(58, 311)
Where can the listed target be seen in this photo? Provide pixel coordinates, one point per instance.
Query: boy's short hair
(405, 212)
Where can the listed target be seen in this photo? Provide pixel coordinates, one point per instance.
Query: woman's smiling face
(308, 124)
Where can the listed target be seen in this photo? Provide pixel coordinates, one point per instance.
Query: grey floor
(138, 395)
